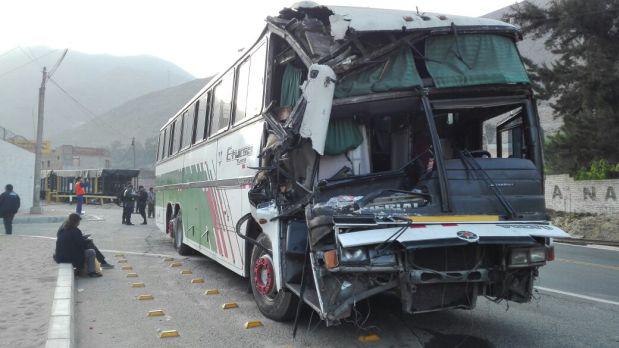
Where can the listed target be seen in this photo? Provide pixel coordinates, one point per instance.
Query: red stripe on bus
(219, 225)
(209, 199)
(227, 213)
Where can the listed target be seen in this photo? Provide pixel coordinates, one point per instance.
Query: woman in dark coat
(72, 247)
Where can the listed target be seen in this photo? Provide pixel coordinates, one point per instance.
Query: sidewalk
(27, 283)
(51, 214)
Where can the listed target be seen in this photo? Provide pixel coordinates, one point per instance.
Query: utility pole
(133, 148)
(36, 194)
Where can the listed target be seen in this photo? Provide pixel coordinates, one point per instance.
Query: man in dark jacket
(128, 204)
(72, 247)
(9, 205)
(142, 199)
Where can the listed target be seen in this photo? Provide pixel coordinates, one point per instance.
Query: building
(72, 157)
(16, 168)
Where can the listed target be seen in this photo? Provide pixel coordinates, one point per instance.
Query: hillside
(140, 118)
(99, 81)
(537, 52)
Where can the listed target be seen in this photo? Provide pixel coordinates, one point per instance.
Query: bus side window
(202, 118)
(178, 128)
(160, 145)
(164, 146)
(188, 120)
(250, 86)
(222, 103)
(169, 142)
(196, 112)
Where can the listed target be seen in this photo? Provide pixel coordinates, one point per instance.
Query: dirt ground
(27, 284)
(590, 226)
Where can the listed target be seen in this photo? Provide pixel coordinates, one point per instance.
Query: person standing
(9, 205)
(151, 203)
(80, 191)
(128, 204)
(142, 199)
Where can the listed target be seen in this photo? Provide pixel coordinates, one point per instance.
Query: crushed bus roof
(363, 19)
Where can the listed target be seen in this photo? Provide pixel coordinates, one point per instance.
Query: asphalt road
(579, 306)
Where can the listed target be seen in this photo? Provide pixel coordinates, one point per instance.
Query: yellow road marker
(126, 268)
(197, 280)
(253, 324)
(186, 272)
(145, 297)
(168, 333)
(132, 275)
(176, 264)
(156, 313)
(137, 285)
(122, 261)
(120, 255)
(168, 259)
(229, 305)
(369, 338)
(211, 292)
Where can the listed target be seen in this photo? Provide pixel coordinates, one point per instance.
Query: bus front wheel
(180, 247)
(276, 305)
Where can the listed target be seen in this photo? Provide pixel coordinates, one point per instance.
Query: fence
(563, 193)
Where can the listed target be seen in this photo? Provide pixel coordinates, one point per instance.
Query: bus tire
(276, 305)
(181, 248)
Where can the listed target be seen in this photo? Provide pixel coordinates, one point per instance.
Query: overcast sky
(199, 36)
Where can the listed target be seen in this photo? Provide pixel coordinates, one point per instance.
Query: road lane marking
(584, 263)
(584, 297)
(592, 246)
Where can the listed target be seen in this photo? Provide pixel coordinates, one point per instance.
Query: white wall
(563, 193)
(17, 168)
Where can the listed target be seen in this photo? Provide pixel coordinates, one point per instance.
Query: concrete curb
(60, 332)
(38, 219)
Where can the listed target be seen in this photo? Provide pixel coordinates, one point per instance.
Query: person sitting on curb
(75, 248)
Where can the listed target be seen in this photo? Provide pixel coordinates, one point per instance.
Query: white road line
(592, 246)
(584, 297)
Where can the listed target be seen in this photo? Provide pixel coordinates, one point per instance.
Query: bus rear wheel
(180, 247)
(276, 305)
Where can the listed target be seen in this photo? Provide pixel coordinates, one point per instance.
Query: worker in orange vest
(80, 191)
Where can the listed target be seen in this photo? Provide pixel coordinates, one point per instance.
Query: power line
(28, 63)
(91, 113)
(9, 51)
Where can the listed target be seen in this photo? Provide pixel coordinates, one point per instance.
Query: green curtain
(342, 136)
(397, 73)
(473, 59)
(291, 83)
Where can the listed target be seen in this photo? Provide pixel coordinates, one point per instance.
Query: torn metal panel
(318, 92)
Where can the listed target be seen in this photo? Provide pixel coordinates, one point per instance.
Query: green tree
(583, 83)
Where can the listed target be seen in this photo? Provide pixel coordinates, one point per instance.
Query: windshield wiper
(469, 161)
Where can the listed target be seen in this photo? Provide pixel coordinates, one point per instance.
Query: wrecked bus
(354, 151)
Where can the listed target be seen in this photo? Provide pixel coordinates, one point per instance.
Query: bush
(599, 170)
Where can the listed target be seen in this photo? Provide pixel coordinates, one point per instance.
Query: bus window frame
(164, 149)
(185, 116)
(232, 102)
(196, 107)
(247, 119)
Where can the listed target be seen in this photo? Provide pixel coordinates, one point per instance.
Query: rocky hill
(99, 82)
(141, 118)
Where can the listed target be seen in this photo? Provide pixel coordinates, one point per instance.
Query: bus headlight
(354, 255)
(538, 255)
(520, 257)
